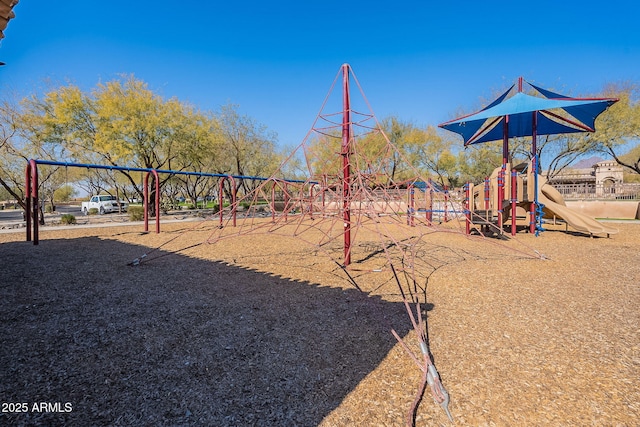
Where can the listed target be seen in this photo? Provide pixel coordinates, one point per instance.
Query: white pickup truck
(104, 204)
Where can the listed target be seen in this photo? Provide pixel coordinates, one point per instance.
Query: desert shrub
(48, 209)
(136, 213)
(68, 219)
(93, 211)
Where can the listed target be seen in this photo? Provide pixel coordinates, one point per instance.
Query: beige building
(608, 174)
(605, 179)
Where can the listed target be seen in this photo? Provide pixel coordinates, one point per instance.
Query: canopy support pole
(534, 166)
(505, 160)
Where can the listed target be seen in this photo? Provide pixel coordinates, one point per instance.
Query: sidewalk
(20, 226)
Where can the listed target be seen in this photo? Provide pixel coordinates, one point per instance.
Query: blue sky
(423, 61)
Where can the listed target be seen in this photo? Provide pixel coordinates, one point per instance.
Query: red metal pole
(234, 189)
(514, 200)
(31, 201)
(220, 198)
(234, 204)
(27, 198)
(145, 201)
(346, 164)
(155, 176)
(35, 202)
(273, 201)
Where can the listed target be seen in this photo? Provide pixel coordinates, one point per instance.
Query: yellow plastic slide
(554, 205)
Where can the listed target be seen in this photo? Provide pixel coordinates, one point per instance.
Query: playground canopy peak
(523, 114)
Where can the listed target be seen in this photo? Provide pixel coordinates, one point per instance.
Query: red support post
(145, 202)
(273, 201)
(31, 201)
(234, 190)
(27, 199)
(221, 198)
(234, 199)
(145, 193)
(157, 180)
(346, 164)
(35, 204)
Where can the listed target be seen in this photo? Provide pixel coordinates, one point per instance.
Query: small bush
(48, 209)
(136, 213)
(68, 219)
(93, 211)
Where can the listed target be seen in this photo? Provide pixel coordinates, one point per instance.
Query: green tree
(120, 123)
(631, 157)
(249, 147)
(619, 127)
(477, 162)
(374, 156)
(322, 154)
(65, 193)
(17, 148)
(12, 161)
(437, 156)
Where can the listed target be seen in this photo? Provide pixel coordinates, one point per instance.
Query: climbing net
(347, 202)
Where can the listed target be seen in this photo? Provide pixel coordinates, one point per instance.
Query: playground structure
(32, 194)
(358, 194)
(513, 197)
(526, 115)
(278, 197)
(339, 200)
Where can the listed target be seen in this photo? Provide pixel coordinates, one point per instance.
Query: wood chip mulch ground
(264, 331)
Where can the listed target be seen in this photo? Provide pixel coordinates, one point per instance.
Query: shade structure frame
(526, 115)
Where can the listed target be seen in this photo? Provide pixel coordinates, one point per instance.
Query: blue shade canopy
(554, 113)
